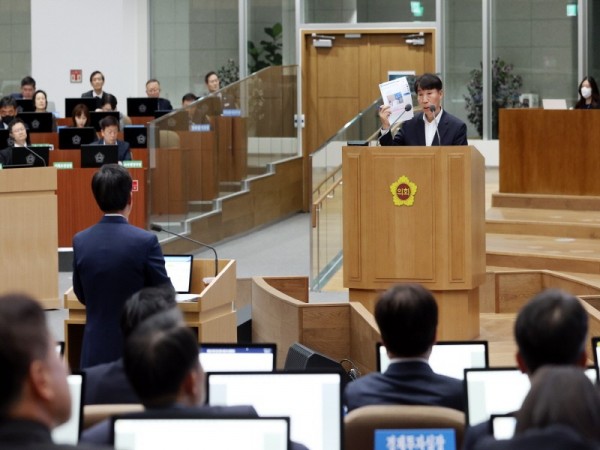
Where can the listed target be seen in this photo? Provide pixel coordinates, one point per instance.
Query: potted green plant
(506, 89)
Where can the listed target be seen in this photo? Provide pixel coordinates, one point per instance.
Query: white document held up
(396, 94)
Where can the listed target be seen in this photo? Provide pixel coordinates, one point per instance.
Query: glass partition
(209, 150)
(326, 205)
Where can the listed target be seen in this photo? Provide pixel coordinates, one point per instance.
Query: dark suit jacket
(164, 104)
(554, 437)
(27, 434)
(100, 100)
(6, 156)
(405, 383)
(107, 384)
(112, 260)
(123, 148)
(452, 130)
(101, 433)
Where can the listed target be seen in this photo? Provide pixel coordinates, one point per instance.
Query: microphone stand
(156, 227)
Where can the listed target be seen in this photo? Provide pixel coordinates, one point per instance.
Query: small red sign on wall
(135, 186)
(76, 75)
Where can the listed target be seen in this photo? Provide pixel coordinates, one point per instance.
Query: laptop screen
(72, 138)
(188, 433)
(96, 155)
(311, 400)
(179, 270)
(68, 432)
(38, 156)
(449, 358)
(498, 391)
(237, 357)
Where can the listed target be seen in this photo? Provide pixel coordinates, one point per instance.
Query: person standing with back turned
(112, 260)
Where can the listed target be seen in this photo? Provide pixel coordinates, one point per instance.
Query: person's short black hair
(407, 317)
(95, 72)
(158, 356)
(24, 337)
(190, 96)
(111, 186)
(209, 74)
(28, 81)
(109, 121)
(428, 81)
(8, 101)
(551, 329)
(145, 303)
(111, 100)
(15, 121)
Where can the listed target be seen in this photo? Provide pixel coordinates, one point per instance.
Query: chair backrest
(93, 414)
(361, 423)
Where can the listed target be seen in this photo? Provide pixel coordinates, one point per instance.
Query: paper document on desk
(179, 298)
(396, 94)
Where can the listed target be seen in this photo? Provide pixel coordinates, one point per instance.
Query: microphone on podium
(156, 227)
(432, 109)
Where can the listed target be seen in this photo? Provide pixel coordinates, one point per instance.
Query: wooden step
(543, 252)
(544, 222)
(541, 201)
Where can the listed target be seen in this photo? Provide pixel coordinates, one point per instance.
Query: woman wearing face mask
(589, 96)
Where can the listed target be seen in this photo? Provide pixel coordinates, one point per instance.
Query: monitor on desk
(25, 105)
(238, 357)
(30, 157)
(141, 106)
(70, 138)
(136, 136)
(37, 122)
(97, 116)
(71, 103)
(5, 139)
(96, 155)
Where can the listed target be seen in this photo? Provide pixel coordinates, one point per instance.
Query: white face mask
(586, 92)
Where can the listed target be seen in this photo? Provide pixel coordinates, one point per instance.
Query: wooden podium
(29, 234)
(417, 214)
(212, 317)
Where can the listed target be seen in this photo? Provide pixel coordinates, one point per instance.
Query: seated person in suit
(8, 111)
(81, 116)
(429, 126)
(40, 103)
(407, 317)
(27, 89)
(107, 383)
(97, 92)
(194, 113)
(34, 394)
(561, 410)
(162, 364)
(550, 329)
(18, 133)
(109, 129)
(153, 91)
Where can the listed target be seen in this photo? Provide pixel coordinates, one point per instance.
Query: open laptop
(312, 400)
(498, 391)
(68, 432)
(141, 106)
(25, 105)
(162, 430)
(72, 138)
(238, 357)
(30, 156)
(448, 358)
(136, 136)
(96, 155)
(71, 103)
(5, 139)
(37, 122)
(554, 103)
(97, 116)
(179, 270)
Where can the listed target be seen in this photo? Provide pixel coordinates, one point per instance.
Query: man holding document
(433, 126)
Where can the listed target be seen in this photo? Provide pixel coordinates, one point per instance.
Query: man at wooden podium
(431, 127)
(112, 260)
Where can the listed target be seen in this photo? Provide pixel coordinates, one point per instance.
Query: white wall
(110, 36)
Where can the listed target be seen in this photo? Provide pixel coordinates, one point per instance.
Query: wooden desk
(549, 152)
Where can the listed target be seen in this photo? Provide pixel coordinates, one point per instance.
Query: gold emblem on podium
(403, 191)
